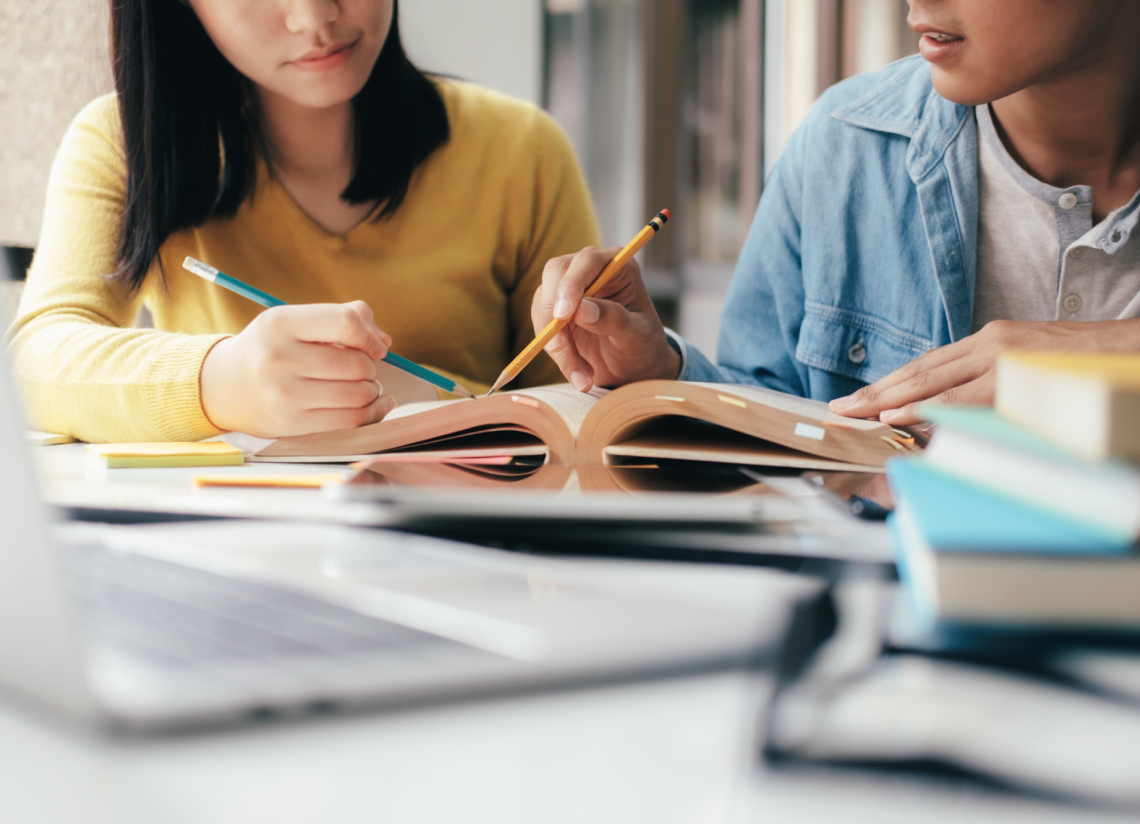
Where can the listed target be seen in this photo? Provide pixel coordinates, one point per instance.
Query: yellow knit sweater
(450, 276)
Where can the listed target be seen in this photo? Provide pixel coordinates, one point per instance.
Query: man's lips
(937, 45)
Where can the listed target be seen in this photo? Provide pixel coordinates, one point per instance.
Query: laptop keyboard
(180, 616)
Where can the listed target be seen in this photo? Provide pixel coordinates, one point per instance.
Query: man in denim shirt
(995, 178)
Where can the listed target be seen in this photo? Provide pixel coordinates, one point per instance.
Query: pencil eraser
(667, 213)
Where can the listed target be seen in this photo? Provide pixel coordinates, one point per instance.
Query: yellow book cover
(1087, 403)
(1119, 369)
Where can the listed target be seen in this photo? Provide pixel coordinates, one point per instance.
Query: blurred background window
(686, 104)
(682, 104)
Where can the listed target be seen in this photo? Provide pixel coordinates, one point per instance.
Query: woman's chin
(320, 91)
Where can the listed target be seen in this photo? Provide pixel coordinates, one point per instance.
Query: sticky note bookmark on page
(206, 453)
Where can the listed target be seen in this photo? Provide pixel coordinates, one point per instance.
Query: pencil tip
(502, 379)
(462, 391)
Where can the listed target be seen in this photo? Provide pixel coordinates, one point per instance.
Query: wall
(498, 44)
(53, 61)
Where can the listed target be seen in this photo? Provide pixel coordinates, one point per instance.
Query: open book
(650, 420)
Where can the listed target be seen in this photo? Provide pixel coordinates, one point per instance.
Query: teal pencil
(211, 274)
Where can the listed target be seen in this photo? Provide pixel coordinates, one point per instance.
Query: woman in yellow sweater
(293, 145)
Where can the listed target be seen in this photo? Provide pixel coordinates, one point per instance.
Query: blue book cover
(954, 515)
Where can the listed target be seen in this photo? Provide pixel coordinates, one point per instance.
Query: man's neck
(309, 142)
(1082, 128)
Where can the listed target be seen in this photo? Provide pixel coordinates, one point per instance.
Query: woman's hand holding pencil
(298, 369)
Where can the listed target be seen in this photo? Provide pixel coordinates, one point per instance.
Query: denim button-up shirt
(862, 255)
(863, 252)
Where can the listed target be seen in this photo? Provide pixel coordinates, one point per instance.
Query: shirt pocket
(854, 344)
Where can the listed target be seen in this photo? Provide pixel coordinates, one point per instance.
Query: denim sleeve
(765, 305)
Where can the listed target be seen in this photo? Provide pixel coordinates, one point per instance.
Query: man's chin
(962, 91)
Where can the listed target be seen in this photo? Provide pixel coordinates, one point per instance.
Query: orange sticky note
(311, 481)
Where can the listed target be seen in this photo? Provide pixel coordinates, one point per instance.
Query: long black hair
(192, 133)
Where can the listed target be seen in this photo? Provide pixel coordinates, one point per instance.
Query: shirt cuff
(678, 344)
(695, 367)
(174, 409)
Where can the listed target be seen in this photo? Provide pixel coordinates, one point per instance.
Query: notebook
(1084, 402)
(646, 421)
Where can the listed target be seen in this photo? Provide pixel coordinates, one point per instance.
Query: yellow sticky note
(312, 481)
(209, 453)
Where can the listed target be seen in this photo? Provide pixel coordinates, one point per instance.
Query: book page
(570, 404)
(406, 410)
(804, 407)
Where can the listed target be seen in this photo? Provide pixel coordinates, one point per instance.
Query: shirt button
(857, 353)
(1077, 252)
(1068, 200)
(1073, 303)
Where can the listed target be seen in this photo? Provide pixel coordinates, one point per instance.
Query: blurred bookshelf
(686, 104)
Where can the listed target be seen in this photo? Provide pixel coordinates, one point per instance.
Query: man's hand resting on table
(964, 372)
(298, 369)
(614, 338)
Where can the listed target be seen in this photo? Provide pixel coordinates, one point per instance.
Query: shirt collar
(906, 104)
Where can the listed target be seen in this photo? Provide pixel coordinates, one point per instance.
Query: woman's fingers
(324, 420)
(322, 361)
(297, 369)
(318, 394)
(365, 311)
(344, 324)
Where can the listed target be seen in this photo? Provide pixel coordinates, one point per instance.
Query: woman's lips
(936, 47)
(327, 62)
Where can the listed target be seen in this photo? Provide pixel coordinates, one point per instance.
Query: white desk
(661, 752)
(682, 750)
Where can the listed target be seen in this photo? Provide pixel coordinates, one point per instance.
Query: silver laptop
(150, 628)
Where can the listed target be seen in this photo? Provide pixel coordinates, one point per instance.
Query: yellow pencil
(555, 326)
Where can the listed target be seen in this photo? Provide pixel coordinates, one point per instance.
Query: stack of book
(1028, 514)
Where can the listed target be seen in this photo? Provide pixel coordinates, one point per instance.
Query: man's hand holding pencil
(594, 316)
(615, 337)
